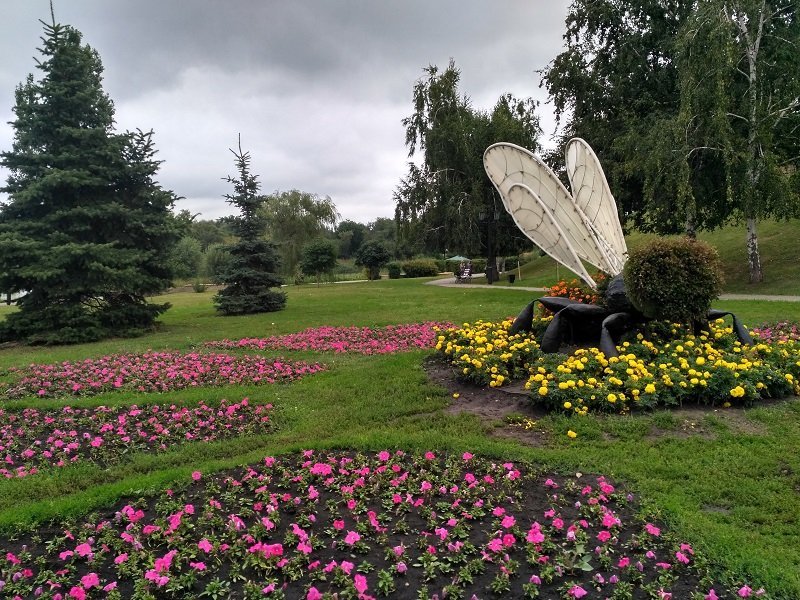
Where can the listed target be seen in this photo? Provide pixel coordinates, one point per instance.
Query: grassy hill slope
(779, 243)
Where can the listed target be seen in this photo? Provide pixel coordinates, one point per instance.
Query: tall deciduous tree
(616, 85)
(294, 218)
(448, 201)
(87, 230)
(250, 275)
(740, 105)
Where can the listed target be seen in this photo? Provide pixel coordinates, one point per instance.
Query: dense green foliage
(295, 218)
(318, 257)
(186, 258)
(689, 108)
(373, 255)
(673, 279)
(448, 202)
(87, 229)
(395, 269)
(249, 276)
(420, 267)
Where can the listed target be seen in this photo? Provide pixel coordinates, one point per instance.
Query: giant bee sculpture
(572, 228)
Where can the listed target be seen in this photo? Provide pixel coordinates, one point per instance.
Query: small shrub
(395, 269)
(420, 267)
(198, 286)
(674, 279)
(478, 265)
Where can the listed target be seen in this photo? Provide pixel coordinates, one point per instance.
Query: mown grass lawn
(732, 490)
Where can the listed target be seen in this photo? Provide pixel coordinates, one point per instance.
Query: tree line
(692, 107)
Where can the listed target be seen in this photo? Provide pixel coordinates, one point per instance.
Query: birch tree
(740, 101)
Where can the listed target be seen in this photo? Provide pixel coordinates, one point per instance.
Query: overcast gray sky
(317, 88)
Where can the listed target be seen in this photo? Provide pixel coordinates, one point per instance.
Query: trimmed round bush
(420, 267)
(673, 279)
(394, 268)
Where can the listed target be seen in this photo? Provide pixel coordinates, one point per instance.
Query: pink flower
(604, 536)
(351, 538)
(77, 592)
(347, 566)
(121, 559)
(401, 567)
(745, 591)
(198, 566)
(361, 583)
(682, 558)
(197, 475)
(712, 595)
(467, 455)
(508, 522)
(624, 562)
(84, 550)
(652, 529)
(577, 591)
(383, 456)
(205, 545)
(313, 594)
(90, 580)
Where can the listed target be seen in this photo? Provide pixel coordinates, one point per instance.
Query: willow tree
(740, 105)
(447, 201)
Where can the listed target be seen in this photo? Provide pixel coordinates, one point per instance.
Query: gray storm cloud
(316, 88)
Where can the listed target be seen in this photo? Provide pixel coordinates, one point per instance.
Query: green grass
(731, 492)
(779, 244)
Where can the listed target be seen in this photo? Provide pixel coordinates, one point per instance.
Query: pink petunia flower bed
(152, 372)
(32, 439)
(776, 332)
(361, 340)
(343, 525)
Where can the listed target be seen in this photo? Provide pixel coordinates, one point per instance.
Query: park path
(451, 282)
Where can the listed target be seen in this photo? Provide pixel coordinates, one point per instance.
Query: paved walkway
(451, 282)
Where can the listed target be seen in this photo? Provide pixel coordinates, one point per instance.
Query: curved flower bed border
(32, 439)
(152, 372)
(360, 340)
(320, 524)
(665, 366)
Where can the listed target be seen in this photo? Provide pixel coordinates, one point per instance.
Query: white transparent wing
(593, 197)
(537, 222)
(509, 164)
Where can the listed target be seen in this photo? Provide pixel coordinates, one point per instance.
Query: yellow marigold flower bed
(666, 365)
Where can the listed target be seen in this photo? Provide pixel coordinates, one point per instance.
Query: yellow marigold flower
(700, 360)
(567, 405)
(466, 370)
(571, 434)
(543, 391)
(612, 398)
(649, 388)
(456, 395)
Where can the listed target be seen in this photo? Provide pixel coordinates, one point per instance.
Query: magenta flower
(577, 591)
(360, 583)
(351, 538)
(90, 580)
(652, 529)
